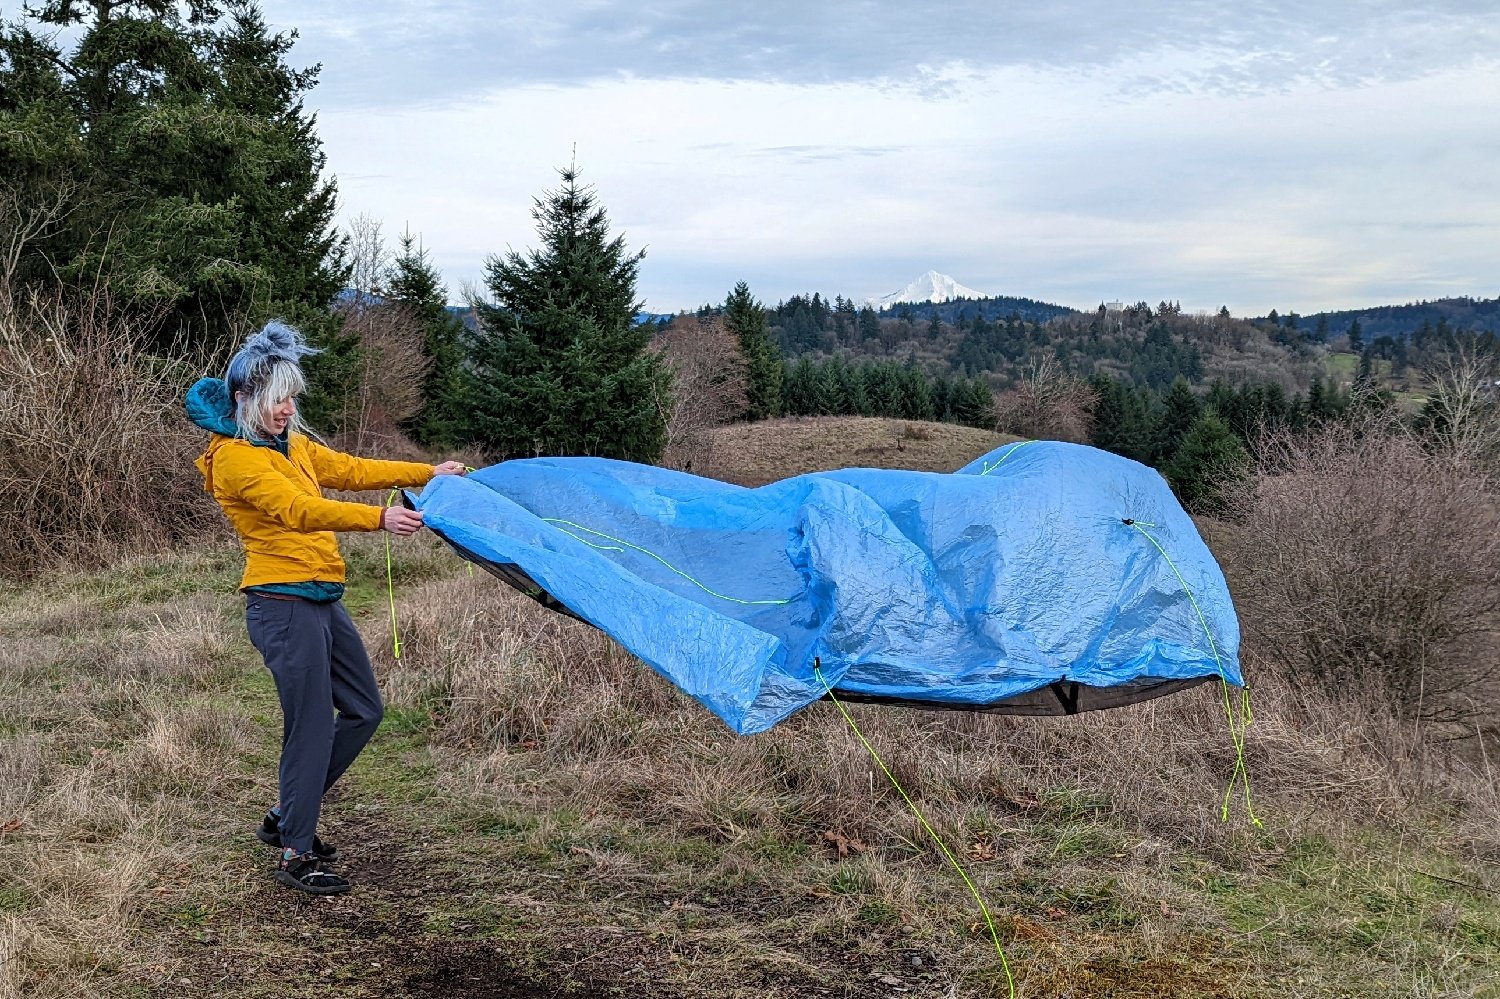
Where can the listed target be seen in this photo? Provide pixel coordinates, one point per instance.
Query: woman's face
(281, 414)
(278, 416)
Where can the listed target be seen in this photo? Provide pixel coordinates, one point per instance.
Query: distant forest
(1478, 314)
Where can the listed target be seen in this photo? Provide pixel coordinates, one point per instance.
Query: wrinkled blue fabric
(952, 589)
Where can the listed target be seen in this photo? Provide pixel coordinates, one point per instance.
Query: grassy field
(540, 815)
(753, 454)
(1409, 392)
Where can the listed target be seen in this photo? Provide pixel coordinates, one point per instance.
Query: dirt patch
(372, 852)
(459, 969)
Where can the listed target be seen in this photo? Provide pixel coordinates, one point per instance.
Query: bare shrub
(387, 390)
(1463, 414)
(369, 257)
(1047, 402)
(709, 386)
(30, 212)
(94, 446)
(1360, 558)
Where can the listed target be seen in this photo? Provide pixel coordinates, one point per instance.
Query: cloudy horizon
(1263, 156)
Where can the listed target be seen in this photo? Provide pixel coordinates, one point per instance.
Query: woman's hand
(400, 521)
(450, 468)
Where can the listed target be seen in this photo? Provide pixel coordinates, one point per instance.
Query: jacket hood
(209, 406)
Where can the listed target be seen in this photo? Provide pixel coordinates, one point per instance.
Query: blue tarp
(1043, 578)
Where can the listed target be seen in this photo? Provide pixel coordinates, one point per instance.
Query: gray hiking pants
(321, 667)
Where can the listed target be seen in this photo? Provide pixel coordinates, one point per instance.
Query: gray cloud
(1251, 157)
(824, 153)
(385, 52)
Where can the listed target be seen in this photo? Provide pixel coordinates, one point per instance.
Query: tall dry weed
(94, 446)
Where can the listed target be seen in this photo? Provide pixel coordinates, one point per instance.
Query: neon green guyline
(645, 551)
(988, 468)
(988, 919)
(390, 585)
(1236, 731)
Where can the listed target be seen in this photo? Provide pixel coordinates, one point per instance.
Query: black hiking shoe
(269, 833)
(306, 872)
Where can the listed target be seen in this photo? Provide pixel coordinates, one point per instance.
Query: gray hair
(267, 370)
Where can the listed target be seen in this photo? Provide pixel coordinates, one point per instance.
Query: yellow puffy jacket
(276, 503)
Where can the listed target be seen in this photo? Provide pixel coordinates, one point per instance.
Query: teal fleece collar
(208, 405)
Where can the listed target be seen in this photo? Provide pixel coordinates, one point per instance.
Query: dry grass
(753, 454)
(117, 750)
(571, 810)
(515, 687)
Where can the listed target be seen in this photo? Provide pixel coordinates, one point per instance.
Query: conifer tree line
(836, 387)
(168, 157)
(164, 163)
(1203, 443)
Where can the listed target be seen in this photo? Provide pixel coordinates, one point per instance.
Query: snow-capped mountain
(930, 287)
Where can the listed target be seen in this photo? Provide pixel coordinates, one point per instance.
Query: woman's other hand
(450, 468)
(400, 521)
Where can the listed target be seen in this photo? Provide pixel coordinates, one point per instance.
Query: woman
(267, 475)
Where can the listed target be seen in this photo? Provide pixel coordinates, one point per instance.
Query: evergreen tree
(869, 325)
(1137, 429)
(414, 283)
(1180, 409)
(1317, 402)
(884, 389)
(1108, 413)
(798, 387)
(1206, 465)
(916, 394)
(828, 396)
(1224, 401)
(746, 319)
(194, 168)
(1121, 419)
(1356, 335)
(942, 398)
(1324, 402)
(934, 327)
(559, 365)
(973, 403)
(846, 387)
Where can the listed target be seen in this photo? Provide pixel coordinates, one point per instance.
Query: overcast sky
(1257, 154)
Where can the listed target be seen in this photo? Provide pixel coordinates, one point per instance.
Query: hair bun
(275, 343)
(278, 342)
